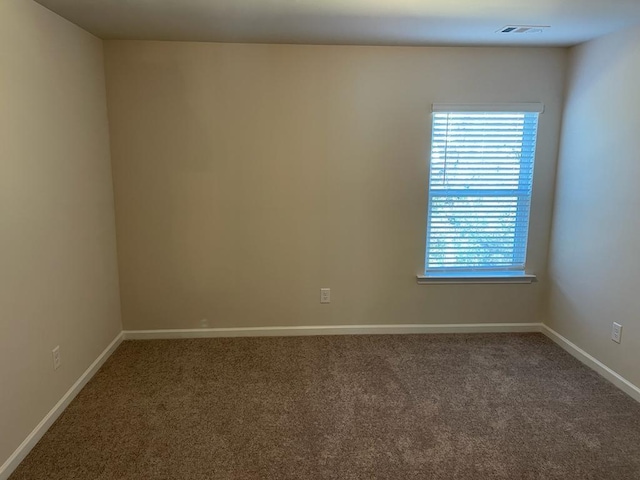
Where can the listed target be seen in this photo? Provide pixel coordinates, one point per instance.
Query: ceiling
(352, 22)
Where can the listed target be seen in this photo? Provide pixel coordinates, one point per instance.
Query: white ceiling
(359, 22)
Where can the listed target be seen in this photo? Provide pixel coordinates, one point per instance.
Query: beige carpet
(503, 406)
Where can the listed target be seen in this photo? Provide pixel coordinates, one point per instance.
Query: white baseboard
(330, 330)
(593, 363)
(23, 450)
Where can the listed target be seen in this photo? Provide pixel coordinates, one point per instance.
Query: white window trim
(458, 278)
(490, 277)
(488, 107)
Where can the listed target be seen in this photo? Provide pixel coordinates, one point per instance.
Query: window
(480, 185)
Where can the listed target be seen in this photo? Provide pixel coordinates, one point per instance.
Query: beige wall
(595, 261)
(58, 268)
(247, 177)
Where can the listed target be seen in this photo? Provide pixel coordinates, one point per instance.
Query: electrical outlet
(57, 360)
(204, 323)
(325, 295)
(616, 332)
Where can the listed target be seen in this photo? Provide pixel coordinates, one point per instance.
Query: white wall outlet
(616, 332)
(57, 360)
(325, 295)
(204, 323)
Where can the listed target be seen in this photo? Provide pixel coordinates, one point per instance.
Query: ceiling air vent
(512, 29)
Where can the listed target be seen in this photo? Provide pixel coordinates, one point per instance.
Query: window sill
(475, 278)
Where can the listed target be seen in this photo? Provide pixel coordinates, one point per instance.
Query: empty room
(305, 239)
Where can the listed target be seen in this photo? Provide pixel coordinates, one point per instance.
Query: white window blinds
(480, 184)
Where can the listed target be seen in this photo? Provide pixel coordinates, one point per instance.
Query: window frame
(513, 274)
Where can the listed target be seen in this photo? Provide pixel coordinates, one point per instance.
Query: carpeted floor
(499, 406)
